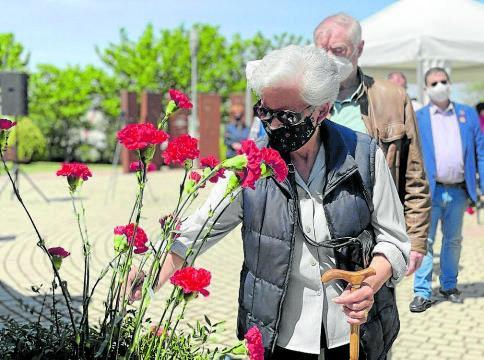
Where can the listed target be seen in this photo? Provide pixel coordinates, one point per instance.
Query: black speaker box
(13, 93)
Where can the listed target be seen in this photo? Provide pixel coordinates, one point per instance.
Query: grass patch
(51, 167)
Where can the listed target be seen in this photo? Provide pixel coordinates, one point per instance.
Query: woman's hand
(134, 284)
(356, 304)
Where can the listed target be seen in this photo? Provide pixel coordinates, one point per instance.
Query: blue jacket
(472, 146)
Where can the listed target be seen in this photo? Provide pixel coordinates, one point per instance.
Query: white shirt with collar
(449, 157)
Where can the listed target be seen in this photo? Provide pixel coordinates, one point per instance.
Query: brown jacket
(389, 117)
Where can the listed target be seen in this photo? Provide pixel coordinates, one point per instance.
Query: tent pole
(420, 80)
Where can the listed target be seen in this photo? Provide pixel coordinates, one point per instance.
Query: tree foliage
(60, 99)
(159, 61)
(12, 56)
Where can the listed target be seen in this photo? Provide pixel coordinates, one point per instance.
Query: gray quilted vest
(268, 232)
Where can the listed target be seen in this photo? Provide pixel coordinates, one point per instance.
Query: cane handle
(355, 279)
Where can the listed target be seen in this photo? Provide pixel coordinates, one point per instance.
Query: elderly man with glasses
(339, 187)
(383, 111)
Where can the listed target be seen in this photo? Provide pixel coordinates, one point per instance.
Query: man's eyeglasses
(286, 117)
(443, 82)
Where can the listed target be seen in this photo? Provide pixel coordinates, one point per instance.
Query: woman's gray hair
(307, 65)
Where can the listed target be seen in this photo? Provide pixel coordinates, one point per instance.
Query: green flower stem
(41, 244)
(179, 317)
(182, 186)
(163, 121)
(110, 297)
(54, 309)
(101, 276)
(127, 264)
(142, 308)
(84, 325)
(175, 301)
(201, 183)
(134, 208)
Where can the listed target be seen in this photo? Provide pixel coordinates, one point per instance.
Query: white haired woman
(339, 193)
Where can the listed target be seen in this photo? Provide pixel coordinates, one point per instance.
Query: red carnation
(252, 172)
(181, 149)
(273, 159)
(211, 162)
(470, 210)
(181, 100)
(192, 280)
(254, 343)
(6, 124)
(140, 239)
(136, 166)
(141, 136)
(75, 170)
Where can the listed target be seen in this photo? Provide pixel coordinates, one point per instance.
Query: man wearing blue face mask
(383, 111)
(453, 149)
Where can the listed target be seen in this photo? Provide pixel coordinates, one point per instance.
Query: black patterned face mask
(289, 138)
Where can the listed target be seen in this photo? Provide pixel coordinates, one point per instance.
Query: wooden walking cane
(355, 279)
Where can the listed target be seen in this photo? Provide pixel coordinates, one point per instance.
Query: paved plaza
(446, 331)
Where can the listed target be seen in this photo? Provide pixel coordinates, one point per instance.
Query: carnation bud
(232, 184)
(74, 183)
(265, 171)
(189, 186)
(120, 243)
(170, 108)
(57, 260)
(147, 154)
(238, 162)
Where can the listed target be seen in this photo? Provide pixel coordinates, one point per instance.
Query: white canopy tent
(413, 35)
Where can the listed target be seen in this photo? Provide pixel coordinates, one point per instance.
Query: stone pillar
(130, 111)
(209, 118)
(150, 112)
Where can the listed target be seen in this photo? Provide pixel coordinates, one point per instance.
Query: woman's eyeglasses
(286, 117)
(443, 82)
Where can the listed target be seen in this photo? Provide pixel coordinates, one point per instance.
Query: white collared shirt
(449, 157)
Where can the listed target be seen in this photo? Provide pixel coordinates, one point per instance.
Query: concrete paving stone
(445, 331)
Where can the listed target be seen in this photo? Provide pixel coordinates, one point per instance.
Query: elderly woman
(339, 187)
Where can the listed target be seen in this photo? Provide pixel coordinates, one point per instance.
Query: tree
(159, 62)
(60, 99)
(12, 57)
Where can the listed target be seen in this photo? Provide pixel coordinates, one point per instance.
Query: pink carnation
(192, 280)
(252, 172)
(254, 344)
(274, 161)
(141, 136)
(59, 252)
(74, 170)
(6, 124)
(211, 162)
(181, 149)
(181, 100)
(136, 166)
(139, 241)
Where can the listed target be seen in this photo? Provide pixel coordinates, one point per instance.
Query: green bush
(32, 144)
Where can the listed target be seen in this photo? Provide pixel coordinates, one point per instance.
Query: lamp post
(193, 124)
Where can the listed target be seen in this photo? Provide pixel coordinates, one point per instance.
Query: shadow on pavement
(24, 307)
(469, 291)
(7, 237)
